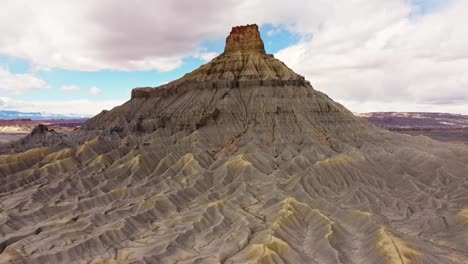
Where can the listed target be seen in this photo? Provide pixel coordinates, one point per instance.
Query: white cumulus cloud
(95, 91)
(206, 56)
(372, 58)
(70, 88)
(20, 83)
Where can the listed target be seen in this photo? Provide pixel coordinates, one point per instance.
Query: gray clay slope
(240, 161)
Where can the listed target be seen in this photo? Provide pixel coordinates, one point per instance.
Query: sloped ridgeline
(240, 161)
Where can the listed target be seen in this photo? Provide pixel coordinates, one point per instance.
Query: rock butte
(239, 161)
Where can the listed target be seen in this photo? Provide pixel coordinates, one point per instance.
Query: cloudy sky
(79, 57)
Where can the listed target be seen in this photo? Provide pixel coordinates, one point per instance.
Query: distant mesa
(24, 116)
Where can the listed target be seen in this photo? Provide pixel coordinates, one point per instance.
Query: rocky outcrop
(40, 136)
(244, 38)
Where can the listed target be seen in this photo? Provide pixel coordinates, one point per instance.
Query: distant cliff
(9, 115)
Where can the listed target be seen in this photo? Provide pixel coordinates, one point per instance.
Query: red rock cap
(244, 38)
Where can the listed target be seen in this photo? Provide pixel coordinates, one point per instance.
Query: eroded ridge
(154, 202)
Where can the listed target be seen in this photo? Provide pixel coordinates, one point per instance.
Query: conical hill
(243, 89)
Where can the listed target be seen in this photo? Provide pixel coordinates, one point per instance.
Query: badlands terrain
(444, 127)
(239, 161)
(14, 129)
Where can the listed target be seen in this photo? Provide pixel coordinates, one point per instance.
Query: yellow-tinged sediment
(463, 215)
(362, 213)
(395, 250)
(294, 208)
(273, 248)
(238, 162)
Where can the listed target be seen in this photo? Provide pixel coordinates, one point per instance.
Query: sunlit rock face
(240, 161)
(244, 38)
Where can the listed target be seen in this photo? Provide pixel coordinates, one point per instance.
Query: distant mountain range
(440, 126)
(416, 120)
(388, 120)
(8, 115)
